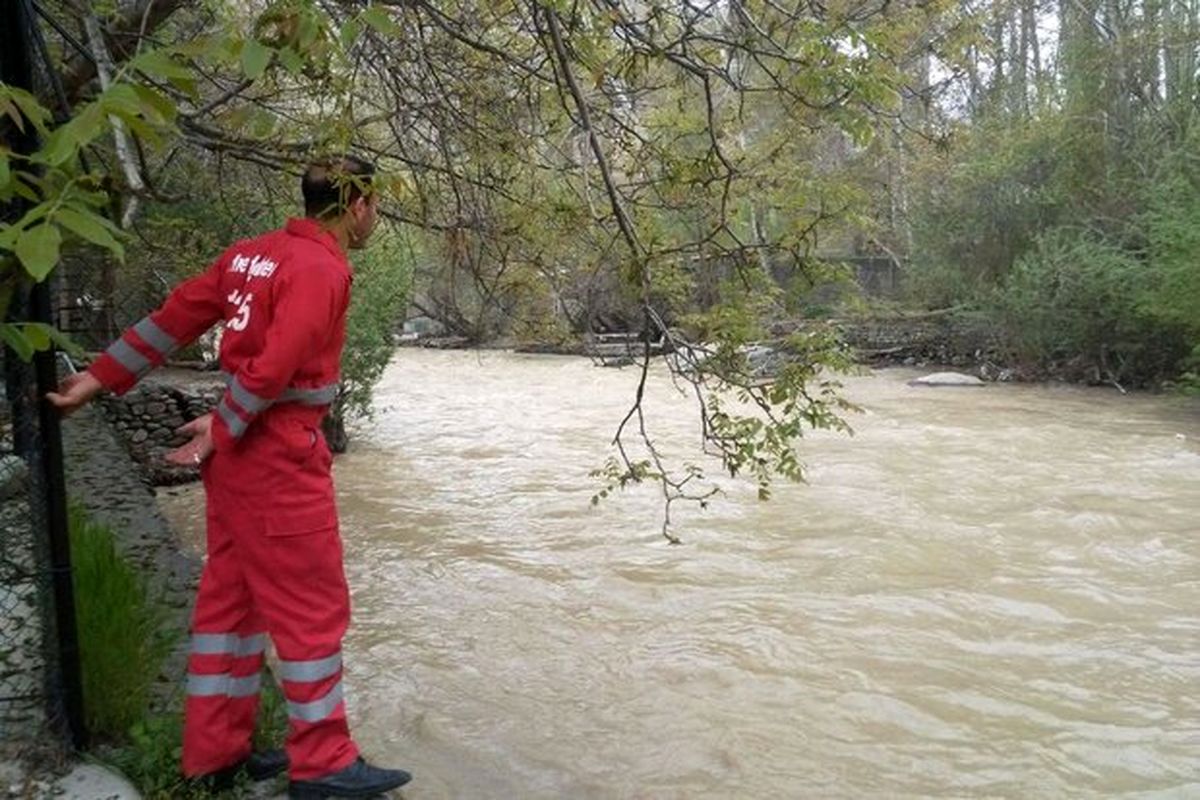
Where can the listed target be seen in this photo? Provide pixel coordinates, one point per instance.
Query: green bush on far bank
(1084, 256)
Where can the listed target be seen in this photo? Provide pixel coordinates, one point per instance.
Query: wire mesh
(27, 661)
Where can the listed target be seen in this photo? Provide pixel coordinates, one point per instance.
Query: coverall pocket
(300, 442)
(301, 522)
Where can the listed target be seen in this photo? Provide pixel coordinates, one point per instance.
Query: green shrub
(977, 209)
(1171, 229)
(150, 755)
(1075, 295)
(123, 632)
(382, 277)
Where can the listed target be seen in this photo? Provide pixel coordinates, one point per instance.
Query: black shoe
(266, 764)
(360, 779)
(256, 766)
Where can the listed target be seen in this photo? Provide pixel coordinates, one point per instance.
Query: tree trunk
(1026, 32)
(998, 90)
(334, 428)
(1150, 77)
(1036, 48)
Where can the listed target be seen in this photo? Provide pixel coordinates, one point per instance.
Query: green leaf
(262, 123)
(158, 103)
(309, 31)
(19, 187)
(255, 58)
(291, 60)
(9, 109)
(237, 118)
(39, 335)
(29, 106)
(121, 99)
(379, 19)
(90, 226)
(65, 141)
(38, 248)
(36, 335)
(5, 174)
(60, 145)
(350, 33)
(14, 338)
(63, 340)
(204, 47)
(139, 126)
(90, 123)
(160, 64)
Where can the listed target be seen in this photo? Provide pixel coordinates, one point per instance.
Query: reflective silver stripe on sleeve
(317, 710)
(310, 671)
(156, 337)
(316, 396)
(246, 398)
(223, 684)
(209, 644)
(236, 425)
(129, 358)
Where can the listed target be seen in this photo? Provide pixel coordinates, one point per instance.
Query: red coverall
(274, 562)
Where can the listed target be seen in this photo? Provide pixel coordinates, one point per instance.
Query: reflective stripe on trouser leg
(300, 587)
(316, 706)
(222, 695)
(311, 696)
(224, 662)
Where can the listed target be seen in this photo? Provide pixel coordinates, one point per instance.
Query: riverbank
(109, 485)
(936, 340)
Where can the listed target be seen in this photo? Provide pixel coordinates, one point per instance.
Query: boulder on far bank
(946, 379)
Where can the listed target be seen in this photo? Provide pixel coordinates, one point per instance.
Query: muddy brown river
(984, 593)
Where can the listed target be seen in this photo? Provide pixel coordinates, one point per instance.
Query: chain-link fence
(39, 682)
(24, 563)
(39, 664)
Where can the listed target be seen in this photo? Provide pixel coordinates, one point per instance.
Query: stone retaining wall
(147, 417)
(102, 477)
(933, 339)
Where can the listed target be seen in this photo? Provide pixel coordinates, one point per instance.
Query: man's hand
(199, 448)
(74, 392)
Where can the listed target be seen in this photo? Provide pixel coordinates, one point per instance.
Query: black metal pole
(17, 45)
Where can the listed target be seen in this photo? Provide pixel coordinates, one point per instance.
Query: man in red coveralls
(274, 564)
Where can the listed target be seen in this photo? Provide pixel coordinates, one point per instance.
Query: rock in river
(946, 379)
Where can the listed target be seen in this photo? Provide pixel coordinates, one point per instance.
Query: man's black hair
(329, 187)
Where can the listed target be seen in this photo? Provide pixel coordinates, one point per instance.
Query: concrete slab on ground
(94, 782)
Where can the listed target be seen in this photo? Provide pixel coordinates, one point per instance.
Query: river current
(986, 592)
